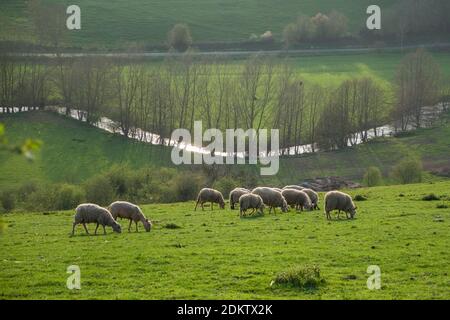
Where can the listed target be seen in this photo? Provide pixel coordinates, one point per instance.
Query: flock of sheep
(256, 200)
(294, 196)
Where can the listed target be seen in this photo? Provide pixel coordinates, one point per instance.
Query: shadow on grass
(252, 216)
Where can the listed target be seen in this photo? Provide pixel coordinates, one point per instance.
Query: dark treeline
(259, 93)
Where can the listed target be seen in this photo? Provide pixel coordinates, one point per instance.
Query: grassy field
(332, 69)
(74, 151)
(120, 23)
(217, 255)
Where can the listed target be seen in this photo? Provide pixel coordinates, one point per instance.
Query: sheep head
(147, 225)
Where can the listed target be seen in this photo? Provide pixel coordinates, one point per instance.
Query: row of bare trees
(259, 93)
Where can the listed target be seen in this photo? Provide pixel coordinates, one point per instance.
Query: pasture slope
(217, 255)
(120, 23)
(73, 151)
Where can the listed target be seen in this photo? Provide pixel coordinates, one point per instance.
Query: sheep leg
(195, 209)
(129, 226)
(73, 228)
(85, 228)
(96, 229)
(203, 208)
(136, 226)
(104, 230)
(212, 204)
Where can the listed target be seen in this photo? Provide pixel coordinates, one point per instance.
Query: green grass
(118, 23)
(73, 151)
(332, 69)
(429, 145)
(217, 255)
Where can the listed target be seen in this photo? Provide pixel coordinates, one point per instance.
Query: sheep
(235, 194)
(210, 195)
(297, 199)
(250, 201)
(126, 210)
(336, 200)
(314, 198)
(92, 213)
(293, 187)
(271, 198)
(277, 189)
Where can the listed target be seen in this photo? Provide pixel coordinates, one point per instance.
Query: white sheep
(336, 200)
(210, 195)
(314, 196)
(271, 198)
(297, 199)
(92, 213)
(250, 201)
(127, 210)
(235, 194)
(293, 187)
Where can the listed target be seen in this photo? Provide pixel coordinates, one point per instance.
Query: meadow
(217, 255)
(74, 151)
(123, 23)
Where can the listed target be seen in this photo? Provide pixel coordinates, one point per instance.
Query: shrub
(186, 186)
(41, 199)
(306, 277)
(299, 32)
(67, 197)
(225, 185)
(8, 200)
(408, 171)
(373, 177)
(431, 197)
(99, 190)
(26, 189)
(120, 179)
(267, 37)
(360, 197)
(172, 226)
(180, 37)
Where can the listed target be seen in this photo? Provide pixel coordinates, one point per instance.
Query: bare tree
(417, 80)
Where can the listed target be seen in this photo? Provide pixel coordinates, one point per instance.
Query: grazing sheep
(336, 200)
(126, 210)
(210, 195)
(294, 187)
(235, 194)
(314, 198)
(271, 198)
(277, 189)
(297, 199)
(250, 201)
(92, 213)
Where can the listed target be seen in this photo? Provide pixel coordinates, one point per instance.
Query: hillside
(74, 151)
(216, 255)
(120, 23)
